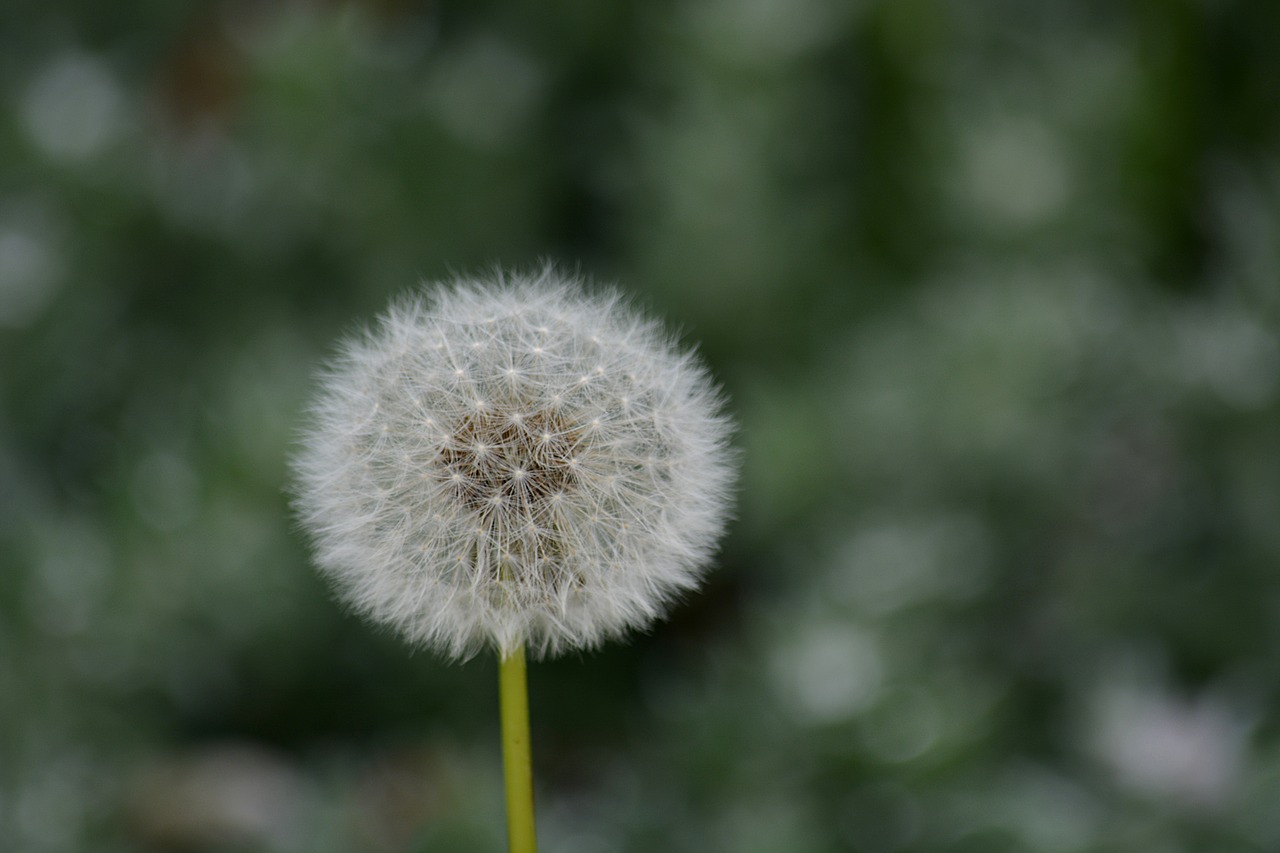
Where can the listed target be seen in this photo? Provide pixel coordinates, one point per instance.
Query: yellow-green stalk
(517, 763)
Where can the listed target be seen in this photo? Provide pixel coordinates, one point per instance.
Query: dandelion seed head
(514, 463)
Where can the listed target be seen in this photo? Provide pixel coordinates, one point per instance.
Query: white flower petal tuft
(512, 463)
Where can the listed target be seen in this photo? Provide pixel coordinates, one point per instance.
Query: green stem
(516, 760)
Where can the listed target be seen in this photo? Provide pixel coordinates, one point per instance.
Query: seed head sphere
(514, 462)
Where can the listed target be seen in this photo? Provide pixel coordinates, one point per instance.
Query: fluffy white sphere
(515, 462)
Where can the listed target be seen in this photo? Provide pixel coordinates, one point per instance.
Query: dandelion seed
(468, 503)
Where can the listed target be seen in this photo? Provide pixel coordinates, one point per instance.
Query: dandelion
(517, 464)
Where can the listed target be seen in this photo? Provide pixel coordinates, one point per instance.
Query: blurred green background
(994, 289)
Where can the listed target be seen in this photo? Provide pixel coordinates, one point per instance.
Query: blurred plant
(993, 288)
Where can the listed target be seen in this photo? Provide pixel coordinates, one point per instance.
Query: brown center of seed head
(512, 464)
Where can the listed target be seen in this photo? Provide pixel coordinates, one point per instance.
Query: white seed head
(512, 463)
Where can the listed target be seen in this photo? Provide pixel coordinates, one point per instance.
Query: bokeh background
(994, 289)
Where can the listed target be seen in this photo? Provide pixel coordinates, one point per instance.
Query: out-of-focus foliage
(995, 290)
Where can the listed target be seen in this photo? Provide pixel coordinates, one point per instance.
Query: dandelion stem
(517, 763)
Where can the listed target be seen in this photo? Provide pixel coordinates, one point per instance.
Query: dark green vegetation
(994, 288)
